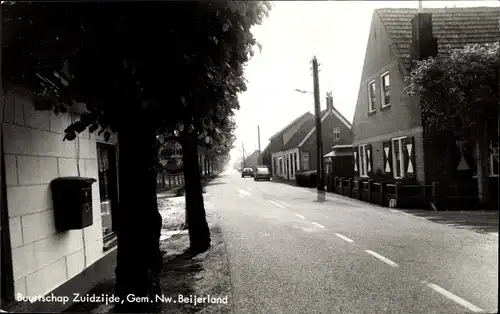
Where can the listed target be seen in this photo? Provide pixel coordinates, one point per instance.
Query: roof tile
(301, 133)
(456, 27)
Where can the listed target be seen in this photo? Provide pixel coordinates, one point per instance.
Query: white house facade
(44, 260)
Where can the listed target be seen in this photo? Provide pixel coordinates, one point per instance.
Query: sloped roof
(455, 27)
(302, 132)
(290, 124)
(267, 149)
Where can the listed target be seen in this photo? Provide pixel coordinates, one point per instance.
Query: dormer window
(372, 96)
(385, 89)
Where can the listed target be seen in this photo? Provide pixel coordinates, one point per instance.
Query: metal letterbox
(72, 200)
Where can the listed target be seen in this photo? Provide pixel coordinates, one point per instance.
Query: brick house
(36, 259)
(280, 138)
(299, 152)
(389, 138)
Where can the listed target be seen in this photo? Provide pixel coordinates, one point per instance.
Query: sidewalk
(482, 221)
(204, 275)
(476, 220)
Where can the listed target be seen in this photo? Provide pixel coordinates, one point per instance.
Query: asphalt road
(289, 253)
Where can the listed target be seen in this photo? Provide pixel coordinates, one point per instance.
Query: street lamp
(303, 91)
(319, 138)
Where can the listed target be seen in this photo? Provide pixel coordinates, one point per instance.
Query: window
(397, 157)
(108, 189)
(295, 162)
(336, 134)
(305, 160)
(287, 158)
(372, 96)
(280, 165)
(275, 166)
(363, 164)
(386, 89)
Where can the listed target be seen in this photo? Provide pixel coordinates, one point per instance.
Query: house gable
(329, 122)
(381, 57)
(388, 49)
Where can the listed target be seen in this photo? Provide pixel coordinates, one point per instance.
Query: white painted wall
(286, 154)
(278, 155)
(34, 155)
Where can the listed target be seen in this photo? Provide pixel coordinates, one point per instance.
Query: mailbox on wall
(72, 199)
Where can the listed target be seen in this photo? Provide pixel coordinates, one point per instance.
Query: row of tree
(141, 69)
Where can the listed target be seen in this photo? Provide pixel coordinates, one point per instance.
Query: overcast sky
(336, 32)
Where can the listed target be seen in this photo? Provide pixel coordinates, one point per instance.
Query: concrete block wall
(35, 153)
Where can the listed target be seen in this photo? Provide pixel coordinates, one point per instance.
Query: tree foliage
(458, 90)
(141, 68)
(181, 62)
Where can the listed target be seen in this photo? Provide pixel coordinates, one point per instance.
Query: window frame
(401, 159)
(371, 103)
(363, 164)
(303, 160)
(490, 165)
(383, 89)
(295, 161)
(335, 137)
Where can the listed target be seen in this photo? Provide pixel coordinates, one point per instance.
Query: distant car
(262, 174)
(247, 172)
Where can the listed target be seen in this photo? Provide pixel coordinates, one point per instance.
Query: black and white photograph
(243, 156)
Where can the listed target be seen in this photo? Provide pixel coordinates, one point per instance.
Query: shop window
(108, 188)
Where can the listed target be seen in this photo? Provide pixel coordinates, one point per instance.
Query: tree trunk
(199, 233)
(482, 171)
(205, 170)
(139, 259)
(209, 165)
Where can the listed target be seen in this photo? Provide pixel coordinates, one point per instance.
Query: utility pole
(319, 137)
(258, 139)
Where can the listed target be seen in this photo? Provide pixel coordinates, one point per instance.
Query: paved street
(291, 254)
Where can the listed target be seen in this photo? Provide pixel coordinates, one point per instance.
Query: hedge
(306, 178)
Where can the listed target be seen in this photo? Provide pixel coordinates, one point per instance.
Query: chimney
(329, 101)
(424, 44)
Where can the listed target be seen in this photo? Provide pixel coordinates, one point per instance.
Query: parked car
(247, 172)
(262, 174)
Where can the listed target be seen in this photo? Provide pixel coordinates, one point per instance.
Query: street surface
(289, 253)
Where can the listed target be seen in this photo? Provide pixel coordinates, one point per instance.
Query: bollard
(370, 188)
(382, 193)
(397, 188)
(360, 190)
